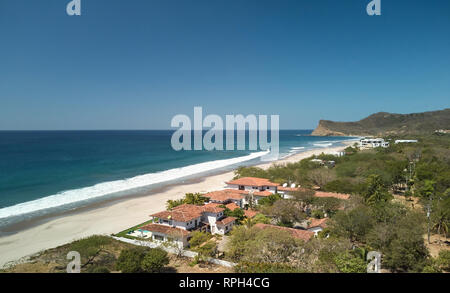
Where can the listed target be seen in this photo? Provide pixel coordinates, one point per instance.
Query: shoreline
(114, 215)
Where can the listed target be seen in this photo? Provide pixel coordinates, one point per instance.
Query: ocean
(47, 171)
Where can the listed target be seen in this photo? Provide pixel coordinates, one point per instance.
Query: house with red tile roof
(253, 184)
(177, 223)
(254, 188)
(304, 235)
(227, 196)
(317, 225)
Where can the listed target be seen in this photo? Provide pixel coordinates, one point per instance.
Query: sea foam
(112, 187)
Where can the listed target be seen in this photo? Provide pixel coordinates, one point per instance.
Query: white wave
(323, 145)
(111, 187)
(297, 148)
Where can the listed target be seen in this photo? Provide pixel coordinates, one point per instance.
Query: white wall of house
(272, 189)
(315, 230)
(224, 229)
(183, 225)
(162, 238)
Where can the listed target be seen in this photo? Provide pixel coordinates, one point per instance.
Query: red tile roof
(188, 212)
(224, 195)
(183, 213)
(281, 188)
(232, 206)
(252, 181)
(262, 193)
(296, 233)
(212, 208)
(165, 230)
(250, 213)
(318, 223)
(332, 194)
(226, 221)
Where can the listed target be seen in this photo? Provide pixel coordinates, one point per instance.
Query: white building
(373, 143)
(406, 141)
(176, 225)
(254, 188)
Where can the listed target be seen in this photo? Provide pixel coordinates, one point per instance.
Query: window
(241, 187)
(158, 237)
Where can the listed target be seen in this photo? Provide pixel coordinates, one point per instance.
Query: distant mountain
(386, 123)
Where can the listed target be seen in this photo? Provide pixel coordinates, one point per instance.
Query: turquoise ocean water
(45, 171)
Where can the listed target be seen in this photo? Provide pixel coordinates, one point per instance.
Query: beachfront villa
(368, 143)
(252, 188)
(176, 225)
(247, 186)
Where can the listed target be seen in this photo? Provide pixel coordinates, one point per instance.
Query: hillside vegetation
(382, 123)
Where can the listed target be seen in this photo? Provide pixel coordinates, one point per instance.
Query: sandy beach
(115, 217)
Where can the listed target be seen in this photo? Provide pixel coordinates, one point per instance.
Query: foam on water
(112, 187)
(323, 145)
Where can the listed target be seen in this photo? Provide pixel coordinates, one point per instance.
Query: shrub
(198, 238)
(130, 260)
(349, 263)
(154, 261)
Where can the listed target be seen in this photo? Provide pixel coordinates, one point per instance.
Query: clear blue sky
(135, 64)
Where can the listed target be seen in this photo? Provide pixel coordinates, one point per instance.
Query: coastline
(116, 215)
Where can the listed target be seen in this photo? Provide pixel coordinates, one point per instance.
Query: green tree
(353, 224)
(130, 260)
(375, 190)
(198, 237)
(348, 262)
(154, 261)
(269, 200)
(170, 204)
(194, 198)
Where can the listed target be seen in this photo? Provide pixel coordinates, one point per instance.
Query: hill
(383, 123)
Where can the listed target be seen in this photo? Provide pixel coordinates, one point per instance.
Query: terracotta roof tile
(165, 230)
(252, 181)
(318, 223)
(226, 221)
(224, 195)
(262, 193)
(296, 233)
(250, 213)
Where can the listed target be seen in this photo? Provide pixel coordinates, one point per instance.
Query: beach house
(227, 196)
(253, 188)
(367, 143)
(175, 225)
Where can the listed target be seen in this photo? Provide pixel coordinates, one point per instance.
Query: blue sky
(135, 64)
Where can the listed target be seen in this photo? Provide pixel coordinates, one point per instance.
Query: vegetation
(190, 198)
(142, 260)
(416, 123)
(374, 218)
